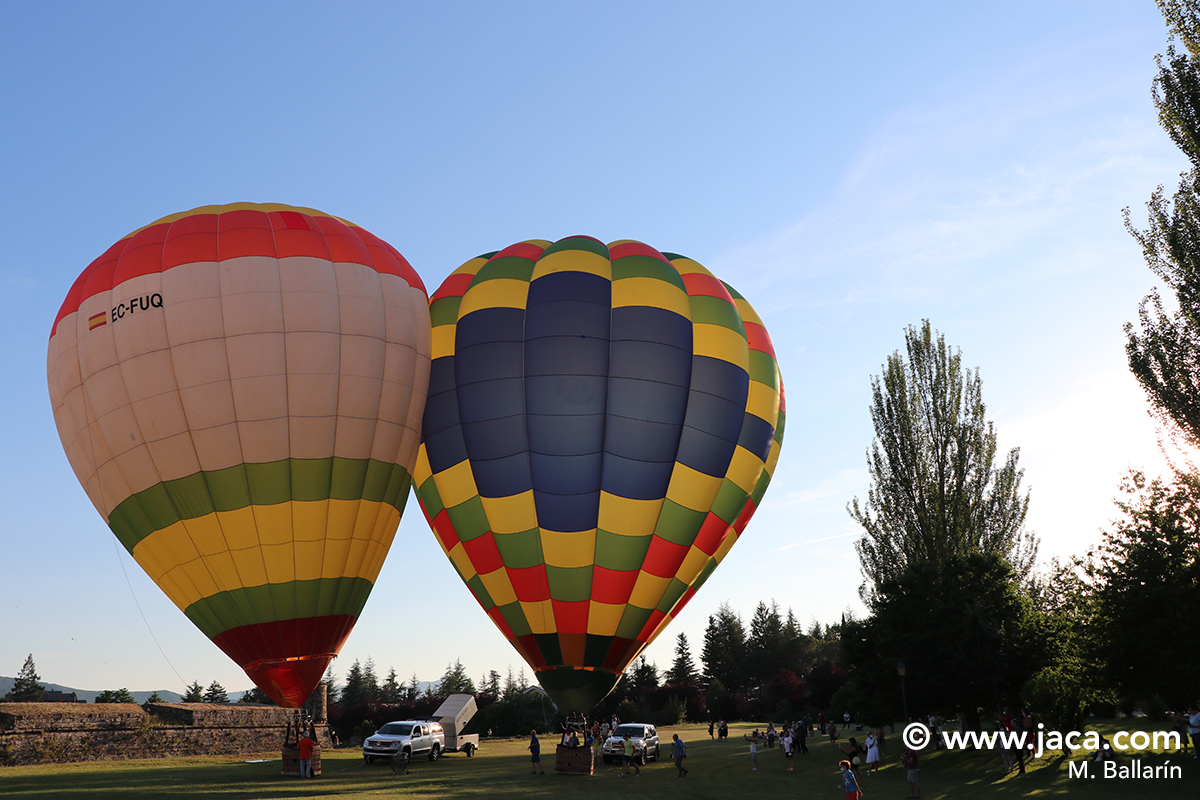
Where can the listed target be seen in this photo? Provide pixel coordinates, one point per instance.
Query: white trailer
(454, 714)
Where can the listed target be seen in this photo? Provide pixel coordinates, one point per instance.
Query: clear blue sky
(851, 168)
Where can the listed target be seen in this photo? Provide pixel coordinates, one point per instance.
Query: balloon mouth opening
(577, 688)
(289, 682)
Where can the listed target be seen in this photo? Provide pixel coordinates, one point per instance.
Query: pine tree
(193, 693)
(215, 693)
(724, 653)
(354, 692)
(683, 669)
(455, 680)
(370, 680)
(413, 690)
(26, 688)
(121, 695)
(256, 696)
(390, 691)
(767, 645)
(645, 676)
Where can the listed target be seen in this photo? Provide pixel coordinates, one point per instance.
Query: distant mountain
(6, 685)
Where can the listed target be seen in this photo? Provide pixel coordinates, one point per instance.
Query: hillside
(6, 684)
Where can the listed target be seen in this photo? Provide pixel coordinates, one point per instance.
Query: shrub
(672, 713)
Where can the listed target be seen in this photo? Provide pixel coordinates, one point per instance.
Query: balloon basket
(299, 725)
(291, 760)
(573, 760)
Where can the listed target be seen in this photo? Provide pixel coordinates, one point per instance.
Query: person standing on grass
(872, 745)
(849, 781)
(680, 752)
(786, 743)
(305, 746)
(753, 740)
(597, 748)
(854, 755)
(909, 759)
(627, 758)
(535, 754)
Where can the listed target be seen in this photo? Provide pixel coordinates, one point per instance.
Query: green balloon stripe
(305, 480)
(277, 602)
(716, 311)
(620, 553)
(584, 243)
(469, 519)
(569, 583)
(430, 498)
(520, 550)
(444, 310)
(509, 267)
(646, 267)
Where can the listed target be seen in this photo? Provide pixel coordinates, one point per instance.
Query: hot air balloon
(239, 389)
(602, 423)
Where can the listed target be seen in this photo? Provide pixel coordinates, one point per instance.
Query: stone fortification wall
(32, 733)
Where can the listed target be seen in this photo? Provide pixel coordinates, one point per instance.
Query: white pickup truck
(429, 737)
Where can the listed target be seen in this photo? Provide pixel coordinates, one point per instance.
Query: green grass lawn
(501, 770)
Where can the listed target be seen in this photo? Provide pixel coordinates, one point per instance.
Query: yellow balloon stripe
(716, 341)
(197, 558)
(572, 261)
(498, 293)
(651, 292)
(574, 549)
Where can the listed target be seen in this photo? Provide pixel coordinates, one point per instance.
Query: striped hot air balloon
(239, 389)
(602, 423)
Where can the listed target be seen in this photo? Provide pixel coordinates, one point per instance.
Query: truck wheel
(641, 758)
(435, 752)
(469, 750)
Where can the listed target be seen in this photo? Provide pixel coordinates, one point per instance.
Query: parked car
(416, 737)
(645, 742)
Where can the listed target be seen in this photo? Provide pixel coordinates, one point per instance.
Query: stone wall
(34, 733)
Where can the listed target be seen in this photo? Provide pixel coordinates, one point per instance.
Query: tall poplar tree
(936, 493)
(1164, 350)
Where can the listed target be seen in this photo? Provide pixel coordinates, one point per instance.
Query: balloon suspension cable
(146, 621)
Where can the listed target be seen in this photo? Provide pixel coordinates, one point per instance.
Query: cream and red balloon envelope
(602, 422)
(239, 389)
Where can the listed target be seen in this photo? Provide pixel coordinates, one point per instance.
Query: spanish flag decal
(97, 320)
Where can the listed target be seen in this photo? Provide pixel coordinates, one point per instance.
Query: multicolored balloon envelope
(239, 389)
(602, 422)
